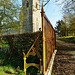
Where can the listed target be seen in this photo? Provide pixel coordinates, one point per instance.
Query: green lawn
(67, 38)
(53, 74)
(4, 70)
(3, 73)
(8, 70)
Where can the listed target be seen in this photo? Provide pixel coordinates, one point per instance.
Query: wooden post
(43, 40)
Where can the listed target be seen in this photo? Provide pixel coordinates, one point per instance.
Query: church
(30, 16)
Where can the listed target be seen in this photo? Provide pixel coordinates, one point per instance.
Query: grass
(53, 74)
(3, 73)
(4, 70)
(8, 70)
(67, 38)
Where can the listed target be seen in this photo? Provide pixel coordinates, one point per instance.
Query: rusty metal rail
(49, 41)
(35, 51)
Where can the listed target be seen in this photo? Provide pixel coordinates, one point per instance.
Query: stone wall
(36, 16)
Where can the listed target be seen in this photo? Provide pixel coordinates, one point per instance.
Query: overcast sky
(53, 12)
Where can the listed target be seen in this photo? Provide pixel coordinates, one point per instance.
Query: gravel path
(64, 63)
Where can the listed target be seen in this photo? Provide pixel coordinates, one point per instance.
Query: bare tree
(44, 2)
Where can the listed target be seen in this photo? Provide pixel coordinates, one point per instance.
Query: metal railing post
(24, 63)
(43, 40)
(40, 66)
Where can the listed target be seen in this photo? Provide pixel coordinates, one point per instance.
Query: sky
(53, 12)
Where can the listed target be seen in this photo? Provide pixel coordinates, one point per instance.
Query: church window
(27, 4)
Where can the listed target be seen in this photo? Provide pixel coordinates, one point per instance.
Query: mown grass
(4, 70)
(53, 74)
(67, 38)
(8, 70)
(3, 73)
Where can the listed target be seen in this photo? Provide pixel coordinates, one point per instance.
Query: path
(64, 63)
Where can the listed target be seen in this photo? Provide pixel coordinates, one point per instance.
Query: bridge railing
(49, 41)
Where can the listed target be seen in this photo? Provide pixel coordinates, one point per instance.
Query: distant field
(67, 38)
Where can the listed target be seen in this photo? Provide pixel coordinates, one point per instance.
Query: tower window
(36, 5)
(27, 4)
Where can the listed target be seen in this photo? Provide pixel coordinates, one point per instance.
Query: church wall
(32, 16)
(36, 16)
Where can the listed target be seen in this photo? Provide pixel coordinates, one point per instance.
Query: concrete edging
(49, 71)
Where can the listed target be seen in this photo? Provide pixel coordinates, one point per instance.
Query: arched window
(27, 4)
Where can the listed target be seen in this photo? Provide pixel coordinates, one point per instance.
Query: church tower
(30, 15)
